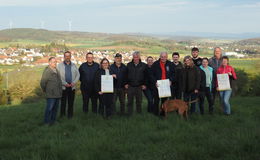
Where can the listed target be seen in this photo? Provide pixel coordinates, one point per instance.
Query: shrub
(3, 98)
(255, 85)
(242, 84)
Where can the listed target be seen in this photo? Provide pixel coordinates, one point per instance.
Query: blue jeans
(191, 97)
(225, 96)
(51, 110)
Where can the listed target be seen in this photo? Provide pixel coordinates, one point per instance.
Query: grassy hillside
(89, 136)
(47, 35)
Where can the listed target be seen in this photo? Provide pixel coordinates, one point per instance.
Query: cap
(118, 55)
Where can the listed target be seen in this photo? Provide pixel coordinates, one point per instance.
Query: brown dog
(175, 105)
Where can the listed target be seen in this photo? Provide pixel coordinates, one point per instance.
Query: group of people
(193, 81)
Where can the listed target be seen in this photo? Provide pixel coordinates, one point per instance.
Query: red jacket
(227, 69)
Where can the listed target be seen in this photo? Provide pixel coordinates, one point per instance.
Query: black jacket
(98, 74)
(87, 75)
(202, 81)
(137, 75)
(156, 73)
(121, 75)
(149, 81)
(178, 76)
(191, 79)
(197, 61)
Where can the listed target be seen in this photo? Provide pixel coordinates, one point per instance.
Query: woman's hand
(114, 75)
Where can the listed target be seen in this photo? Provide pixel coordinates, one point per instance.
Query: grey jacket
(214, 63)
(51, 83)
(74, 71)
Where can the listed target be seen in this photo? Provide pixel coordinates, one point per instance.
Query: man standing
(136, 82)
(120, 70)
(149, 88)
(178, 68)
(87, 72)
(195, 56)
(69, 77)
(52, 87)
(161, 69)
(215, 63)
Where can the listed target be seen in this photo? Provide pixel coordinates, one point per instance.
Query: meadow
(143, 136)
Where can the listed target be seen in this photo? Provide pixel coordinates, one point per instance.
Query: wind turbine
(42, 24)
(10, 24)
(70, 25)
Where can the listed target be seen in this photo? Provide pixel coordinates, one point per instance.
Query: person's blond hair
(191, 61)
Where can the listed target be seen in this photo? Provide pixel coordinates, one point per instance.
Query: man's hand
(196, 91)
(67, 85)
(100, 93)
(143, 87)
(72, 84)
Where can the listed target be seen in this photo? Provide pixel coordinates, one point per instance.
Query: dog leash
(193, 101)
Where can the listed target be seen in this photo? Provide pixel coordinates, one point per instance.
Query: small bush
(3, 98)
(242, 84)
(255, 85)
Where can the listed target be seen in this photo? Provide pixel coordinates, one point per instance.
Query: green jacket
(51, 83)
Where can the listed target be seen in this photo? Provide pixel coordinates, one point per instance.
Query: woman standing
(225, 68)
(209, 84)
(105, 99)
(52, 87)
(191, 82)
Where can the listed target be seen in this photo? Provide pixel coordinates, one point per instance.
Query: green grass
(249, 65)
(89, 136)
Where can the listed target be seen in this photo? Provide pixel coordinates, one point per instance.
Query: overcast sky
(146, 16)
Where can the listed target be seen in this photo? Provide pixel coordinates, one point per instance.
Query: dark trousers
(119, 93)
(105, 104)
(191, 97)
(67, 95)
(134, 93)
(150, 99)
(156, 107)
(208, 95)
(51, 110)
(214, 95)
(176, 93)
(86, 95)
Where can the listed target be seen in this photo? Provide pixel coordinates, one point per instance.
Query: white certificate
(223, 82)
(164, 88)
(107, 85)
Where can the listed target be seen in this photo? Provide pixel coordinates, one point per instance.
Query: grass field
(140, 137)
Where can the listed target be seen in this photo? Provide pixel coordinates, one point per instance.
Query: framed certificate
(164, 89)
(223, 82)
(107, 85)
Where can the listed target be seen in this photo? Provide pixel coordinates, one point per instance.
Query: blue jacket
(87, 75)
(121, 75)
